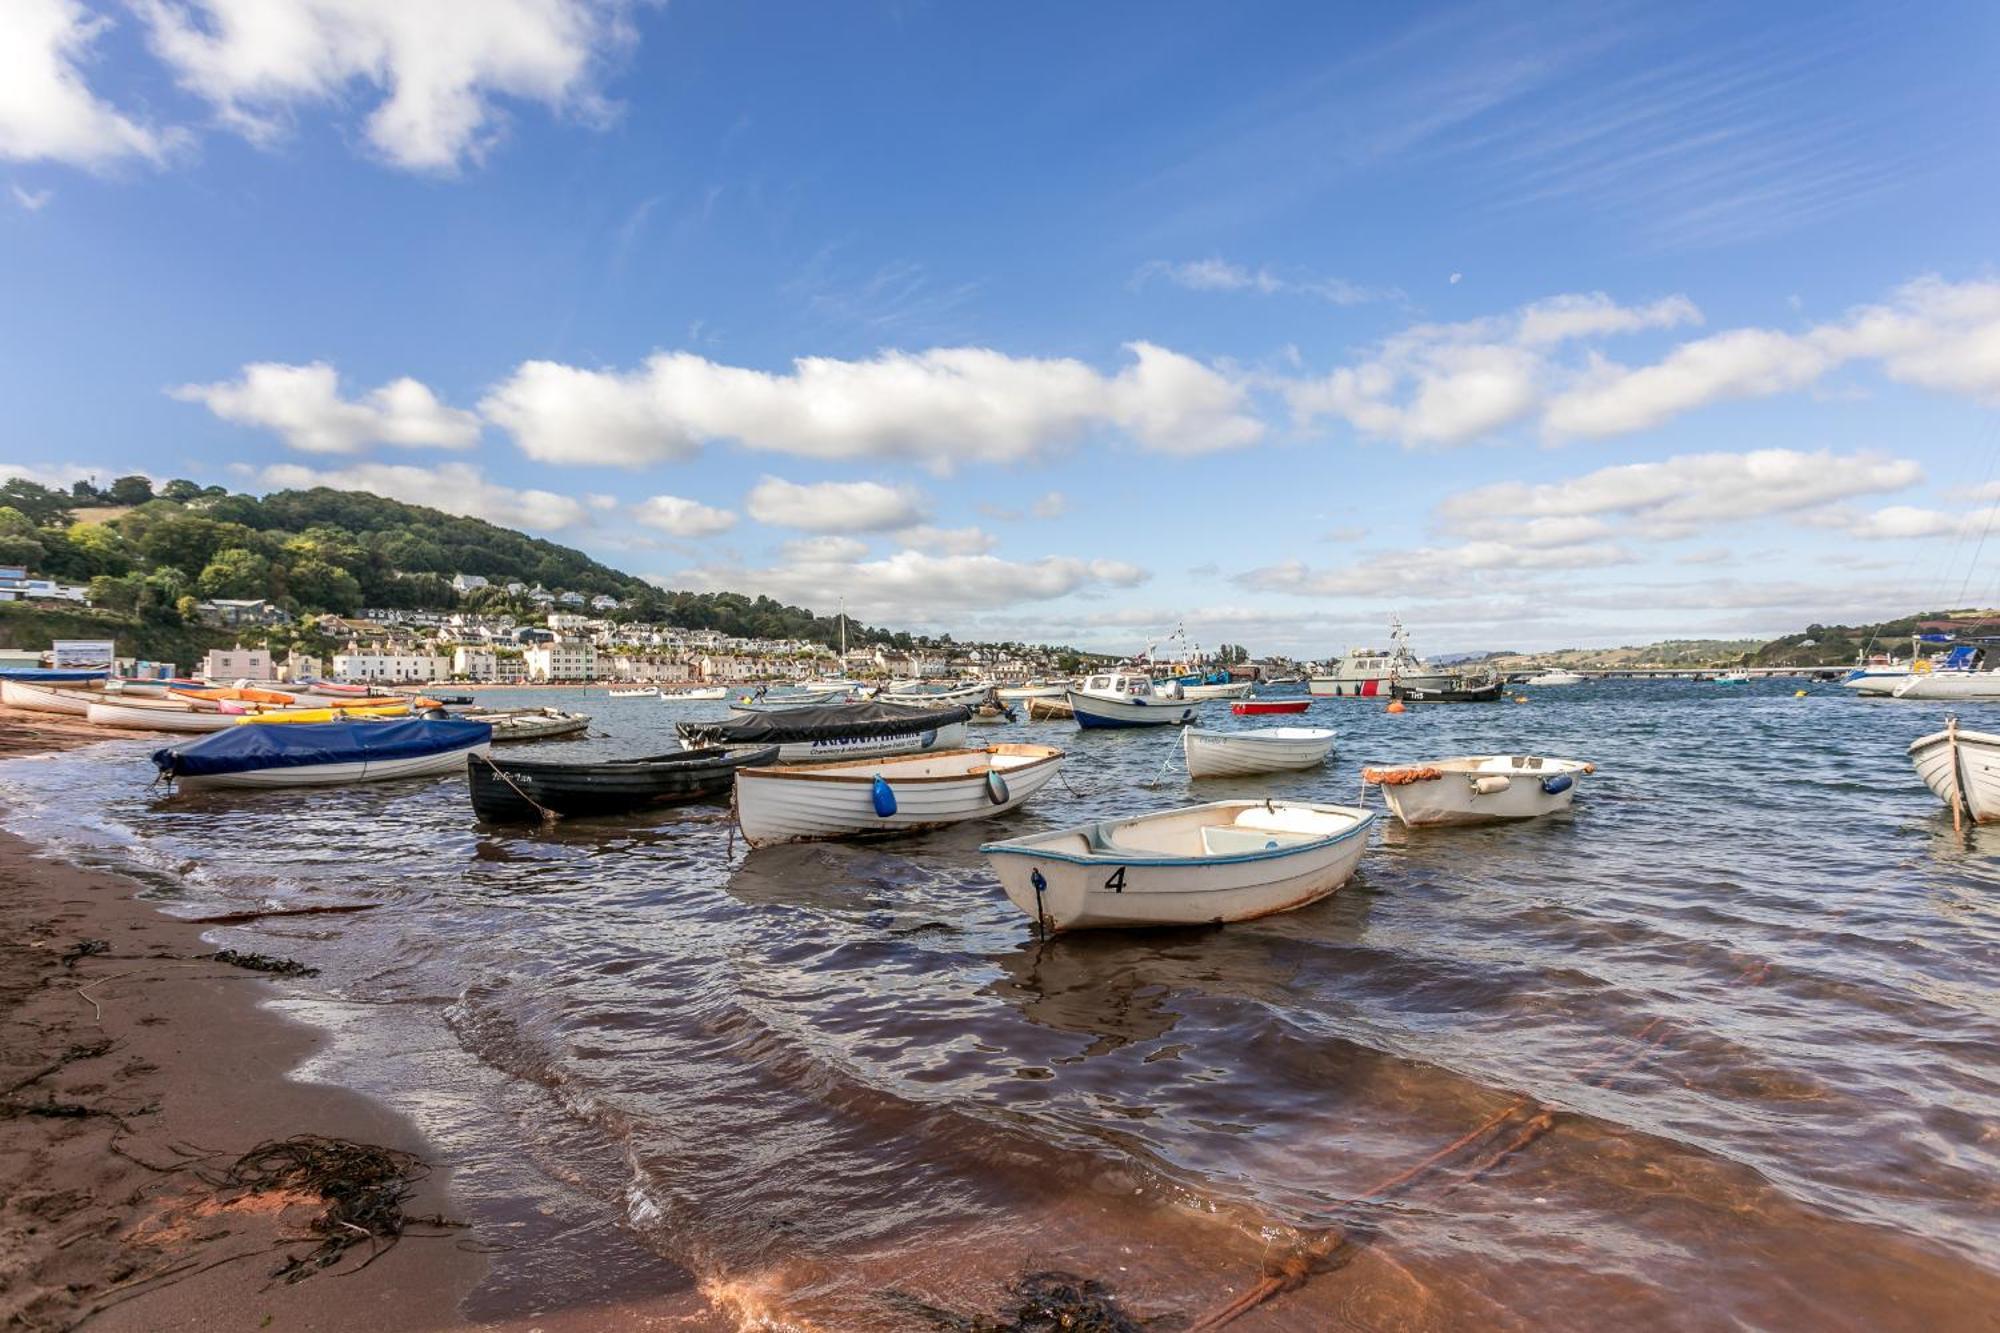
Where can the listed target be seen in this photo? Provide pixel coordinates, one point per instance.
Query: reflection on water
(1750, 974)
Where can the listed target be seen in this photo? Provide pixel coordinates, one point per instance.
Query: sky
(1537, 325)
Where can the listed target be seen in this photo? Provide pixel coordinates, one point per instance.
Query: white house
(464, 583)
(389, 665)
(567, 622)
(604, 601)
(238, 663)
(481, 664)
(565, 659)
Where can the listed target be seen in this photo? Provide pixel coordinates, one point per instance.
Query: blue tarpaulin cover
(295, 744)
(43, 676)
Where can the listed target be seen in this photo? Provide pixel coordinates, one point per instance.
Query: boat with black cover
(836, 731)
(507, 790)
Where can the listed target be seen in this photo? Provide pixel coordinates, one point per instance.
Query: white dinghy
(855, 798)
(1963, 768)
(1221, 754)
(1204, 865)
(1479, 789)
(160, 715)
(1195, 694)
(59, 697)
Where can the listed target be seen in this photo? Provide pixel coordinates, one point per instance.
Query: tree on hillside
(180, 489)
(42, 505)
(20, 539)
(130, 490)
(235, 572)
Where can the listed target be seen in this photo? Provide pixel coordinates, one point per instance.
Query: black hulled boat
(510, 790)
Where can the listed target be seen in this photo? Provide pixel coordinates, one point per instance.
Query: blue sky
(1540, 325)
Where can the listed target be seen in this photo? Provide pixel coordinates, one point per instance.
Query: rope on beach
(1295, 1268)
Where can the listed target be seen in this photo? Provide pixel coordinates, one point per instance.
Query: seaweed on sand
(364, 1188)
(1042, 1302)
(259, 962)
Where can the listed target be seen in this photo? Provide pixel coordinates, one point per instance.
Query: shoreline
(136, 1069)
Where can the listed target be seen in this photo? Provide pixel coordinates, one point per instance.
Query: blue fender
(884, 796)
(996, 788)
(1557, 784)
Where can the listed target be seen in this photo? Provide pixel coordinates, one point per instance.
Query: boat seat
(1233, 840)
(1098, 837)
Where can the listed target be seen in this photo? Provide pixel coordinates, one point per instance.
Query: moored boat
(1554, 676)
(868, 797)
(1481, 687)
(1239, 689)
(1479, 789)
(1949, 685)
(937, 697)
(1256, 707)
(1963, 769)
(324, 753)
(1368, 673)
(698, 694)
(529, 724)
(1216, 754)
(1206, 864)
(506, 790)
(835, 731)
(1050, 710)
(1034, 689)
(1125, 699)
(634, 692)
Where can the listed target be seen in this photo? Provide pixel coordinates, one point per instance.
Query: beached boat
(1050, 710)
(1555, 676)
(1195, 694)
(1256, 707)
(506, 790)
(159, 715)
(634, 692)
(324, 753)
(1368, 673)
(864, 797)
(835, 731)
(1963, 768)
(1480, 788)
(698, 694)
(292, 715)
(51, 696)
(1125, 699)
(1228, 861)
(1217, 754)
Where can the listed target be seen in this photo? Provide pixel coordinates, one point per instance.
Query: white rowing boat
(38, 698)
(1228, 861)
(160, 716)
(634, 692)
(865, 797)
(1216, 754)
(1017, 693)
(936, 698)
(1963, 768)
(1195, 694)
(1479, 789)
(701, 693)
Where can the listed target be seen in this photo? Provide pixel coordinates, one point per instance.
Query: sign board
(84, 655)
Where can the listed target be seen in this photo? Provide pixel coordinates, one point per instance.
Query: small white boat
(863, 797)
(1125, 699)
(700, 693)
(1217, 754)
(1732, 678)
(750, 702)
(1480, 788)
(1239, 689)
(1949, 685)
(160, 716)
(937, 698)
(35, 697)
(1556, 676)
(635, 692)
(528, 724)
(1963, 768)
(1032, 690)
(1207, 864)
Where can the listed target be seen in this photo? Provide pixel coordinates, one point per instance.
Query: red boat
(1270, 706)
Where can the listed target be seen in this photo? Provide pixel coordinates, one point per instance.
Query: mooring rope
(548, 816)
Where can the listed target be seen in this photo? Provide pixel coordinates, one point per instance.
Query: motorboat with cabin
(1371, 673)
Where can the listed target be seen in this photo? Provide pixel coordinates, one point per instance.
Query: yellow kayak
(325, 714)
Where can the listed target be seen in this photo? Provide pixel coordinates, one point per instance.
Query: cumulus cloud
(948, 541)
(1671, 498)
(912, 587)
(942, 407)
(1052, 504)
(683, 518)
(1906, 522)
(456, 488)
(304, 406)
(1594, 315)
(1220, 275)
(47, 109)
(441, 65)
(1429, 572)
(835, 506)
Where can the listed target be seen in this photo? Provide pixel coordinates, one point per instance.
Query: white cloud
(943, 407)
(1052, 504)
(948, 541)
(1907, 522)
(835, 506)
(1220, 275)
(912, 587)
(1594, 315)
(456, 488)
(1675, 497)
(683, 518)
(1429, 572)
(441, 64)
(59, 476)
(303, 405)
(32, 200)
(47, 110)
(1743, 363)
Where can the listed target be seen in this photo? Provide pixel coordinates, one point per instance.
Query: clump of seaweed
(84, 949)
(364, 1188)
(260, 962)
(1042, 1302)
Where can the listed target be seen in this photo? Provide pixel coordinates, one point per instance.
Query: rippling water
(1751, 975)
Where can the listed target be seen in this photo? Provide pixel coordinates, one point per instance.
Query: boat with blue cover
(324, 753)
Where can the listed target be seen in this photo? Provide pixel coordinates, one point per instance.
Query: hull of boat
(1950, 685)
(1107, 889)
(327, 775)
(1549, 678)
(967, 694)
(650, 692)
(692, 696)
(820, 802)
(949, 737)
(1965, 775)
(1372, 687)
(1197, 693)
(1256, 707)
(1484, 694)
(1094, 711)
(531, 726)
(47, 698)
(140, 717)
(504, 791)
(1016, 693)
(1050, 710)
(1221, 754)
(1519, 790)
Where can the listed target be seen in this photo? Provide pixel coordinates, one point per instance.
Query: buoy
(996, 788)
(1557, 784)
(1798, 694)
(1396, 706)
(1520, 698)
(885, 797)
